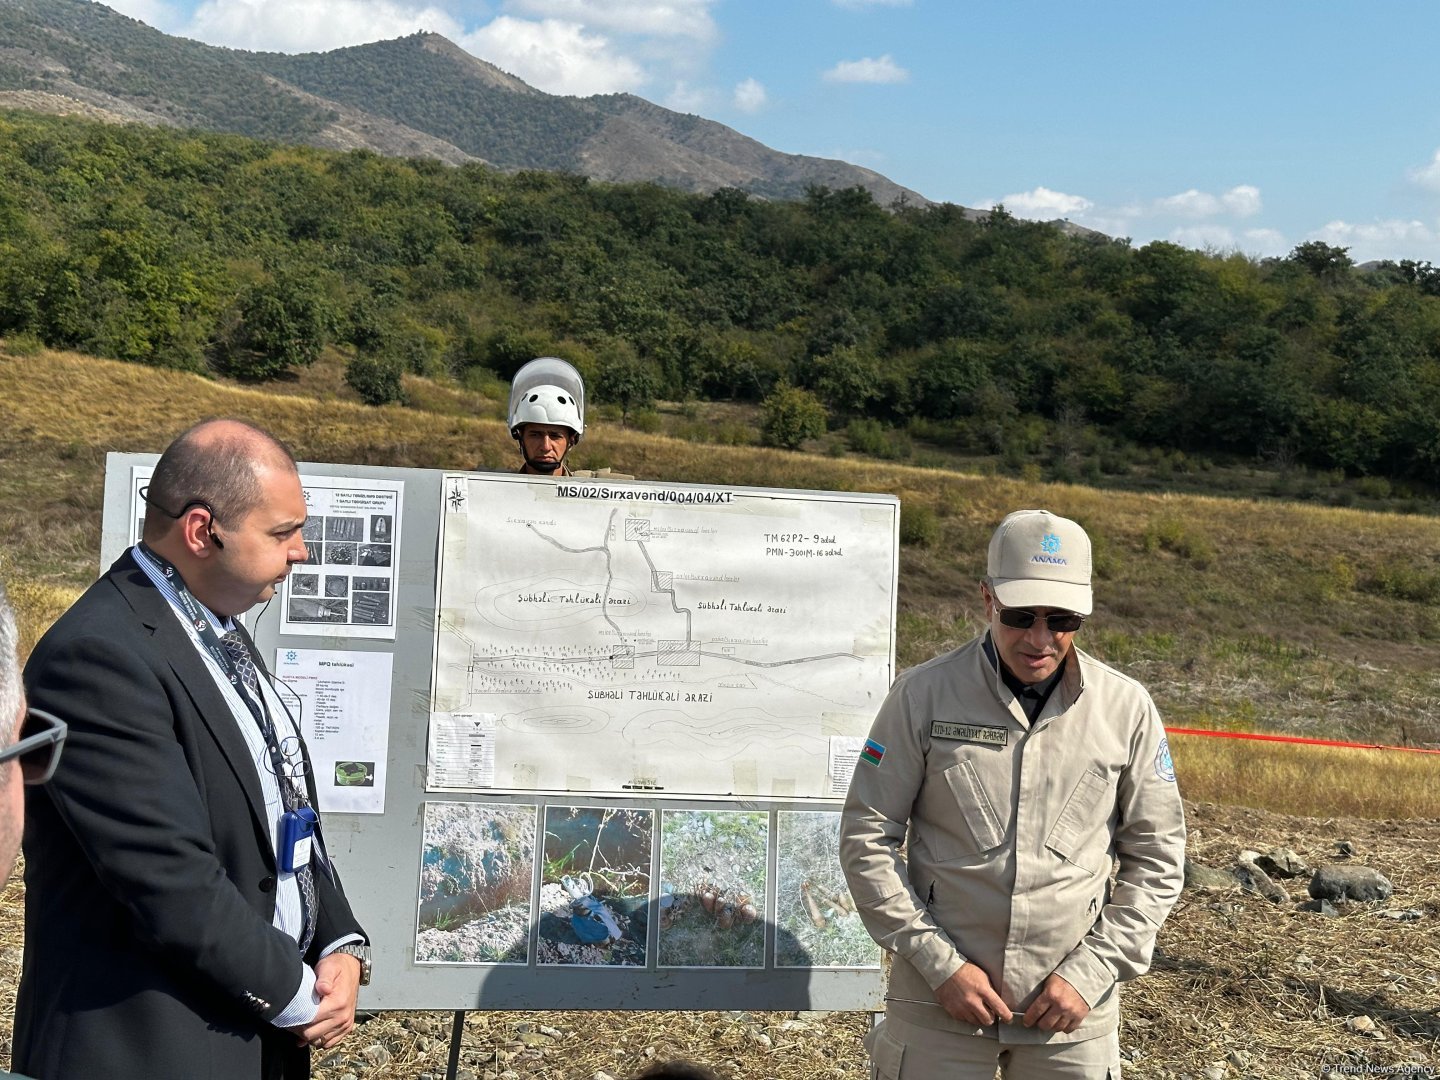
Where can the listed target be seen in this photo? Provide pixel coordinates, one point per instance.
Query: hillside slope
(418, 96)
(1266, 631)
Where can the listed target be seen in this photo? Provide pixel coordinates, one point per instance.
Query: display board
(580, 743)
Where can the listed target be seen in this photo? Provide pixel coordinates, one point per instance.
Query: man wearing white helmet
(547, 414)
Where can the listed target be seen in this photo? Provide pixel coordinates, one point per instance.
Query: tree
(1325, 262)
(375, 376)
(789, 416)
(625, 380)
(277, 324)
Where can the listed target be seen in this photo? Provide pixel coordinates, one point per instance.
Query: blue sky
(1253, 126)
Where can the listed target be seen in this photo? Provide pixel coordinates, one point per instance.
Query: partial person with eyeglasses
(1000, 786)
(184, 918)
(31, 751)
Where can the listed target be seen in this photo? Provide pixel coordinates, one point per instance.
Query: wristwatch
(361, 953)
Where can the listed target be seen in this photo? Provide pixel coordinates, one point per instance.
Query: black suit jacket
(150, 876)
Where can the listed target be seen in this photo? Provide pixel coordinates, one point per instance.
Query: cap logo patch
(1050, 543)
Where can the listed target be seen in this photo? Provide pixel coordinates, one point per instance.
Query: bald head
(216, 463)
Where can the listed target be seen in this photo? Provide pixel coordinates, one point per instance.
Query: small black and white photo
(371, 609)
(314, 553)
(340, 554)
(304, 584)
(313, 529)
(380, 526)
(370, 584)
(374, 555)
(344, 528)
(318, 610)
(337, 585)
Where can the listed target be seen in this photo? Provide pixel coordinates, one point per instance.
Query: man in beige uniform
(1023, 770)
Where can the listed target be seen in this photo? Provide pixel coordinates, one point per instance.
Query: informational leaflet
(461, 751)
(347, 588)
(341, 700)
(844, 755)
(659, 639)
(139, 480)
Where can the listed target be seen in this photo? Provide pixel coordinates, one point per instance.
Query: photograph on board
(595, 885)
(712, 888)
(476, 867)
(814, 913)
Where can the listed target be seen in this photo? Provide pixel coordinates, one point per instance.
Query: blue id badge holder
(297, 832)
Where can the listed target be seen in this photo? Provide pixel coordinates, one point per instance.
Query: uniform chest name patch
(991, 736)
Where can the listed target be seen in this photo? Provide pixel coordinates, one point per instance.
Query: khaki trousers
(901, 1051)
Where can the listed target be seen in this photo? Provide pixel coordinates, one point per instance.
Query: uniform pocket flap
(1078, 819)
(978, 816)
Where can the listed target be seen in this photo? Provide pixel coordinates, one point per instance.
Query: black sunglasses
(1064, 622)
(42, 736)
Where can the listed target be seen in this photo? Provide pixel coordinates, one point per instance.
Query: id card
(297, 831)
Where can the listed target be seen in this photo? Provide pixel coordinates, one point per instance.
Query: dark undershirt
(1032, 696)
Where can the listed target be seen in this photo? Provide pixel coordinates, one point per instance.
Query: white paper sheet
(342, 702)
(347, 589)
(661, 639)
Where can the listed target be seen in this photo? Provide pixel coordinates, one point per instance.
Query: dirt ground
(1241, 987)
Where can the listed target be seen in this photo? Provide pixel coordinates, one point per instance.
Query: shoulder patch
(1164, 764)
(873, 752)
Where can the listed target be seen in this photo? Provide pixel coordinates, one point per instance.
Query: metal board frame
(379, 854)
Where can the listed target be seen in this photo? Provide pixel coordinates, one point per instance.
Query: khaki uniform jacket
(1013, 828)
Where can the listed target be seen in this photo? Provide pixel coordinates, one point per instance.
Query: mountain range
(417, 96)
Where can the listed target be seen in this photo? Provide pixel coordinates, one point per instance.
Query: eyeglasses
(1063, 622)
(42, 736)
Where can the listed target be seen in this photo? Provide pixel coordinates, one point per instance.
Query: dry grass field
(1238, 614)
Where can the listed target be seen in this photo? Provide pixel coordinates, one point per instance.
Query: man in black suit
(183, 919)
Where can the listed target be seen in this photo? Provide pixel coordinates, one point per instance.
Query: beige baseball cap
(1040, 560)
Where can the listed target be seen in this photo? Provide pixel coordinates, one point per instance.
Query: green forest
(989, 334)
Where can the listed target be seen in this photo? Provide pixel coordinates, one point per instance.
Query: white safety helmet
(547, 390)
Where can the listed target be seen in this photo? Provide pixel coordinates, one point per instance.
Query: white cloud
(687, 99)
(1041, 203)
(311, 25)
(555, 56)
(1190, 203)
(1240, 201)
(1426, 176)
(651, 18)
(1266, 242)
(1391, 235)
(1214, 237)
(749, 96)
(868, 70)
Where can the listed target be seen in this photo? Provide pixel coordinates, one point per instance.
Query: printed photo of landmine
(595, 885)
(815, 920)
(713, 871)
(343, 595)
(476, 868)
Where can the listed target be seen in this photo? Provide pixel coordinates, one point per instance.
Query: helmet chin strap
(549, 468)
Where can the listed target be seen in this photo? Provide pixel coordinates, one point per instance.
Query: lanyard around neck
(204, 626)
